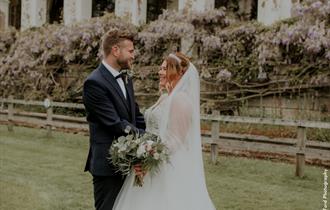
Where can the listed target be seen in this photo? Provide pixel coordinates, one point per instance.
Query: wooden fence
(218, 140)
(282, 145)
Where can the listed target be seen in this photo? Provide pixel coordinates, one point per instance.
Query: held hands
(139, 175)
(139, 171)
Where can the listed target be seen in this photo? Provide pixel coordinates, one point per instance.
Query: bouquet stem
(138, 181)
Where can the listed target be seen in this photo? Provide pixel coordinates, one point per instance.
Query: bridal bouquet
(146, 150)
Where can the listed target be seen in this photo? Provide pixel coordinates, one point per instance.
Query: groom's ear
(115, 50)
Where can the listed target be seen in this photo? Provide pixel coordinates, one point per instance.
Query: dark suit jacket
(108, 114)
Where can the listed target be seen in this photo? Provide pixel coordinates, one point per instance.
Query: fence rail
(219, 141)
(268, 121)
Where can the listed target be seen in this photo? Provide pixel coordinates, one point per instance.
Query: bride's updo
(177, 65)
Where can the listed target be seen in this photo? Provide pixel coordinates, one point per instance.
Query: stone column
(172, 5)
(76, 11)
(134, 11)
(245, 7)
(4, 14)
(270, 11)
(187, 6)
(196, 5)
(187, 46)
(33, 13)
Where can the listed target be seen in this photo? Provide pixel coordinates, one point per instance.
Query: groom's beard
(125, 64)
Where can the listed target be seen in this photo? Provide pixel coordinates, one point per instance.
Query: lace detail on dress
(153, 116)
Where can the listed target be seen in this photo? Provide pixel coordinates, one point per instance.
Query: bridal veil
(179, 185)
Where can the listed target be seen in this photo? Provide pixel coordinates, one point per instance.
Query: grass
(38, 173)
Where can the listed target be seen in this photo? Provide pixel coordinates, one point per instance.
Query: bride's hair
(177, 65)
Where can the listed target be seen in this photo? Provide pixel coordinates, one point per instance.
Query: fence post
(48, 106)
(10, 114)
(300, 156)
(262, 108)
(215, 136)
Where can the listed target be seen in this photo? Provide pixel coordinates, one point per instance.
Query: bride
(180, 184)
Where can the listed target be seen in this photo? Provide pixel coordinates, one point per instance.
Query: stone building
(23, 14)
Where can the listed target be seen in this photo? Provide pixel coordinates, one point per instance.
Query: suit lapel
(112, 81)
(130, 96)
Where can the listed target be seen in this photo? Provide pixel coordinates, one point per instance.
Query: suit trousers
(106, 190)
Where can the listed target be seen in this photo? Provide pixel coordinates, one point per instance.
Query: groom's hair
(113, 37)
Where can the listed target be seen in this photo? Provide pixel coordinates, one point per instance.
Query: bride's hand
(139, 171)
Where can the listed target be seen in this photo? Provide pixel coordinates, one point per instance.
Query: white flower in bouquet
(122, 148)
(148, 145)
(156, 156)
(141, 150)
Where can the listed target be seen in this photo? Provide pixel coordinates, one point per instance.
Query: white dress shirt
(116, 73)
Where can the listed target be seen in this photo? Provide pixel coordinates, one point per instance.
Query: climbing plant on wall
(244, 58)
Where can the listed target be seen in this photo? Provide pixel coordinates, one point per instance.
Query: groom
(110, 105)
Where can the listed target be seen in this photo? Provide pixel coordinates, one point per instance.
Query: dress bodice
(153, 116)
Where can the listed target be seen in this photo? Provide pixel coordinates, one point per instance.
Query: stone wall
(34, 12)
(305, 106)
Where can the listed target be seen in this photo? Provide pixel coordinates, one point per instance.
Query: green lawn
(39, 173)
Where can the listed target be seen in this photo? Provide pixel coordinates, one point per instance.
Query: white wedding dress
(180, 184)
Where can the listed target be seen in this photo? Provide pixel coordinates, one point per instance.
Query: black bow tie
(122, 75)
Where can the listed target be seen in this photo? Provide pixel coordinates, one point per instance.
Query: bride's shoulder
(164, 95)
(158, 102)
(162, 98)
